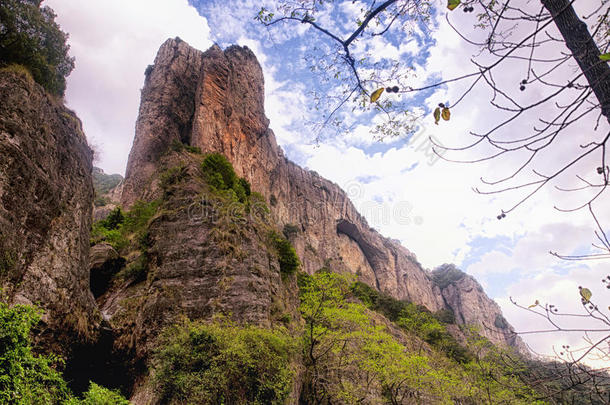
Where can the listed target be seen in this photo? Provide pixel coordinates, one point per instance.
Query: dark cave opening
(101, 276)
(100, 363)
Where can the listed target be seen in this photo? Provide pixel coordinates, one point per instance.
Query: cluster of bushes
(119, 227)
(27, 378)
(288, 258)
(290, 230)
(345, 347)
(220, 176)
(415, 319)
(223, 364)
(123, 229)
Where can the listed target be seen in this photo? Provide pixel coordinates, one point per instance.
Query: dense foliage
(128, 231)
(221, 176)
(351, 356)
(98, 395)
(29, 36)
(289, 261)
(27, 378)
(223, 364)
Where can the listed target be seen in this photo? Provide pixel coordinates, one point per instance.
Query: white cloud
(113, 41)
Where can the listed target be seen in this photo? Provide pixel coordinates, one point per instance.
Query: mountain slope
(213, 101)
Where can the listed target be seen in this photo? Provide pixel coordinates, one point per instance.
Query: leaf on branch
(446, 114)
(437, 115)
(452, 4)
(376, 94)
(534, 304)
(586, 294)
(605, 57)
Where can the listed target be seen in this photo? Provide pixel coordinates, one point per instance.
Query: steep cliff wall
(46, 197)
(213, 100)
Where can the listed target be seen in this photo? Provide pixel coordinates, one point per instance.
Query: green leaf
(586, 294)
(605, 57)
(437, 115)
(452, 4)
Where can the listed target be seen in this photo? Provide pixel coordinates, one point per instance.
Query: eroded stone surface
(46, 195)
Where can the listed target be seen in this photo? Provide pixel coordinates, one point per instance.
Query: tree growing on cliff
(563, 93)
(29, 36)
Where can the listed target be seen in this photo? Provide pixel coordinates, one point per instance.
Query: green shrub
(218, 166)
(98, 395)
(113, 237)
(29, 379)
(289, 261)
(118, 226)
(19, 69)
(172, 176)
(114, 219)
(377, 301)
(26, 378)
(257, 205)
(445, 316)
(176, 145)
(220, 175)
(223, 364)
(31, 37)
(137, 218)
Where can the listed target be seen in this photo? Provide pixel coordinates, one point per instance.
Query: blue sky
(425, 203)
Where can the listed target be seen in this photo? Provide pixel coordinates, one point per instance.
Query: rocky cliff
(46, 195)
(213, 101)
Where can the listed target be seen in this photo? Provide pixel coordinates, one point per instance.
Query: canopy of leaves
(26, 378)
(351, 356)
(223, 364)
(29, 36)
(220, 175)
(289, 261)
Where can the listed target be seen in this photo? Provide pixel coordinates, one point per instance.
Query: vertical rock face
(166, 113)
(214, 101)
(46, 195)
